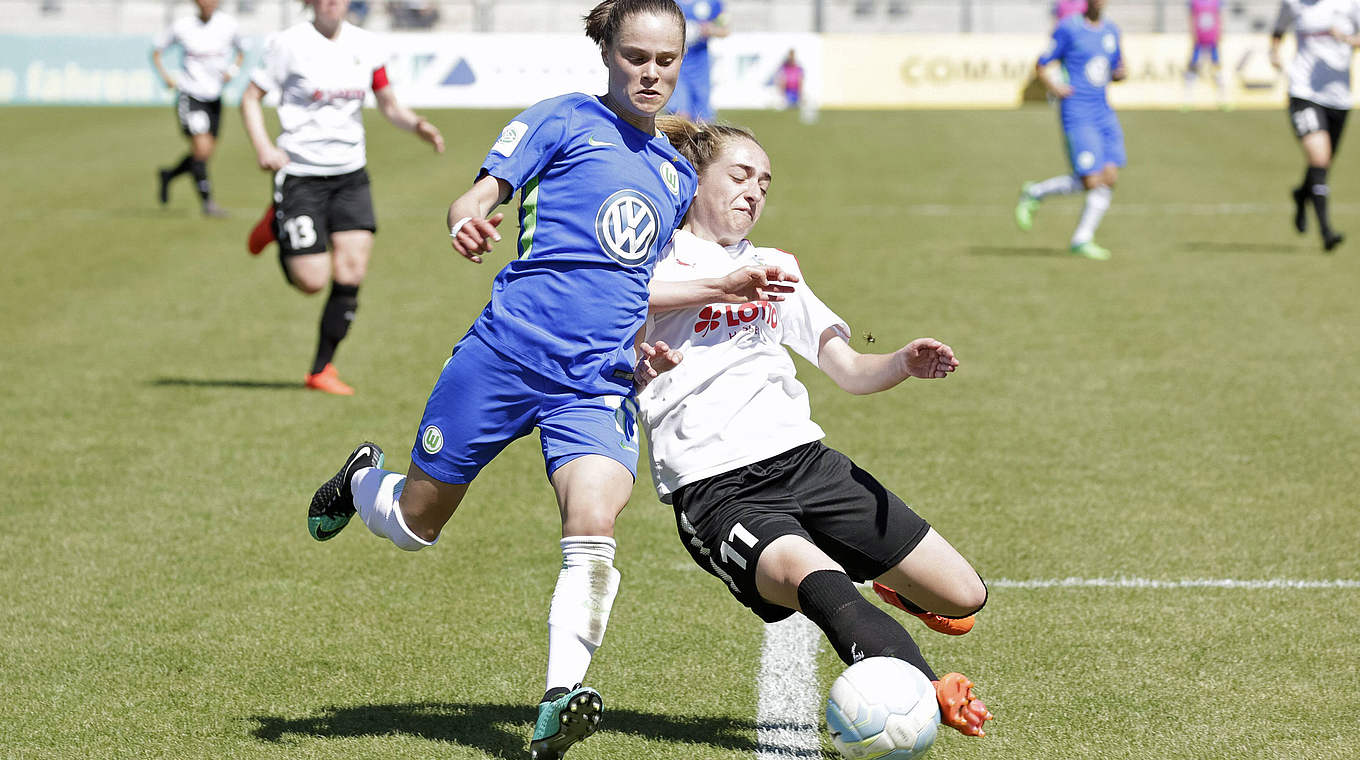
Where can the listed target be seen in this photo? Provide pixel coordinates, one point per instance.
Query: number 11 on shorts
(727, 554)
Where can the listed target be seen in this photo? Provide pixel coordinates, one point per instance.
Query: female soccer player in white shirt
(784, 521)
(212, 47)
(1327, 32)
(322, 210)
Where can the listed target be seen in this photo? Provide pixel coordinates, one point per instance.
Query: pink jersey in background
(1064, 8)
(1207, 16)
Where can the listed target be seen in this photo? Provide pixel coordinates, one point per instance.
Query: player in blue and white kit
(704, 21)
(1090, 53)
(600, 192)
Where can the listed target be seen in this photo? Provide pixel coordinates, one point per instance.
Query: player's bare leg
(591, 492)
(936, 584)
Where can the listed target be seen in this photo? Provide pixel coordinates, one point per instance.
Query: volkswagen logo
(627, 226)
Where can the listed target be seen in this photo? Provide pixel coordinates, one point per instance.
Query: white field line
(1153, 583)
(789, 708)
(1116, 209)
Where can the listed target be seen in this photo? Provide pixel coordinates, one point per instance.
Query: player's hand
(170, 83)
(928, 358)
(430, 134)
(271, 158)
(1275, 60)
(654, 360)
(1061, 90)
(757, 283)
(1120, 73)
(476, 236)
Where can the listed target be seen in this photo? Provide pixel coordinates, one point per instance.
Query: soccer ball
(882, 707)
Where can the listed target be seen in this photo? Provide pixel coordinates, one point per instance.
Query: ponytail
(700, 143)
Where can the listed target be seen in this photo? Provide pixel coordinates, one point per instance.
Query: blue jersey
(598, 199)
(698, 12)
(1089, 54)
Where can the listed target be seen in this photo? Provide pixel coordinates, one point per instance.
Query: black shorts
(198, 117)
(308, 209)
(1309, 117)
(812, 491)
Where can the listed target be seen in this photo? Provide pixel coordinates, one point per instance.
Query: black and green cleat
(333, 503)
(564, 721)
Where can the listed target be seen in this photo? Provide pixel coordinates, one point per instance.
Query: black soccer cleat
(1331, 240)
(333, 503)
(163, 186)
(1300, 210)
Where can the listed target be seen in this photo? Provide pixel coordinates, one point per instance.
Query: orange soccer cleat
(328, 381)
(262, 234)
(937, 623)
(959, 708)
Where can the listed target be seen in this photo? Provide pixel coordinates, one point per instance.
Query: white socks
(585, 593)
(377, 495)
(1097, 203)
(1064, 184)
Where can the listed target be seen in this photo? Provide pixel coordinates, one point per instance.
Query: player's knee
(968, 597)
(307, 283)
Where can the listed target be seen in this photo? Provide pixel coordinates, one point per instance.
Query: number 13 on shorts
(727, 554)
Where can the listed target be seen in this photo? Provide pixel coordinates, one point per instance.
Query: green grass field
(1188, 410)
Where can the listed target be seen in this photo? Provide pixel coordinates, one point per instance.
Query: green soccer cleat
(1025, 208)
(333, 503)
(564, 721)
(1090, 250)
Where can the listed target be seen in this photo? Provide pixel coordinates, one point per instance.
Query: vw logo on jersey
(1098, 71)
(626, 226)
(1108, 43)
(671, 177)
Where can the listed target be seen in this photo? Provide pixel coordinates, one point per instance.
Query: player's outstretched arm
(404, 118)
(754, 283)
(267, 154)
(471, 232)
(858, 373)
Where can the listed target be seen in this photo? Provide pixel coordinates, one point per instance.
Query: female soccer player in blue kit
(1090, 53)
(600, 192)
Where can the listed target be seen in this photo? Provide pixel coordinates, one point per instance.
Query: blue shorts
(1093, 145)
(692, 99)
(482, 401)
(1212, 50)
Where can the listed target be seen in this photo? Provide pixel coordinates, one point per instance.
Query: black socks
(336, 318)
(854, 626)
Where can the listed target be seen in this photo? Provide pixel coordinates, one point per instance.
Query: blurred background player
(322, 210)
(1319, 95)
(211, 43)
(1088, 48)
(790, 80)
(1206, 29)
(760, 503)
(601, 193)
(704, 21)
(1064, 8)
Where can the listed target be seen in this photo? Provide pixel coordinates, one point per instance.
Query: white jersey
(209, 48)
(734, 399)
(1321, 70)
(322, 84)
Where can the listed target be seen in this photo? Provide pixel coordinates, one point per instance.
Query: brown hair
(700, 143)
(604, 20)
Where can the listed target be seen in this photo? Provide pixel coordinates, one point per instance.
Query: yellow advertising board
(993, 71)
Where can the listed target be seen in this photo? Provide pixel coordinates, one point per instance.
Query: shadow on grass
(199, 382)
(1220, 246)
(1011, 250)
(498, 730)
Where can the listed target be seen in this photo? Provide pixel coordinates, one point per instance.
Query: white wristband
(458, 225)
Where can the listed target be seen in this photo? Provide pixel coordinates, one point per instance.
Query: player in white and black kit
(212, 46)
(322, 210)
(787, 523)
(1319, 94)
